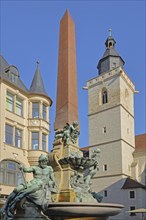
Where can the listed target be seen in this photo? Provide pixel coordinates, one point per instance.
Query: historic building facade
(122, 174)
(24, 125)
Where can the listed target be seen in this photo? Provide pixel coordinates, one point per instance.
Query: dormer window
(12, 77)
(104, 96)
(12, 73)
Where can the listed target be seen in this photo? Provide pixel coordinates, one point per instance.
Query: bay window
(35, 109)
(35, 140)
(44, 136)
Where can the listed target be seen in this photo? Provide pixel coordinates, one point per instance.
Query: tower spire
(37, 85)
(110, 32)
(67, 102)
(110, 59)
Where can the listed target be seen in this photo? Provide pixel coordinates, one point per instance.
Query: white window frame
(33, 139)
(44, 111)
(19, 106)
(6, 172)
(8, 134)
(18, 138)
(14, 128)
(34, 108)
(14, 103)
(134, 194)
(132, 214)
(44, 141)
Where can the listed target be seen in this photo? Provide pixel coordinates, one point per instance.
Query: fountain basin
(77, 162)
(75, 210)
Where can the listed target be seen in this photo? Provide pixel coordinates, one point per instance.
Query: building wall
(25, 154)
(138, 168)
(103, 120)
(107, 157)
(115, 194)
(111, 125)
(117, 115)
(111, 129)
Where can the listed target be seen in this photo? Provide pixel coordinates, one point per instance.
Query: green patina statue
(68, 134)
(81, 183)
(38, 190)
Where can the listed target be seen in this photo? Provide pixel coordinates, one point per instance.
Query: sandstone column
(67, 101)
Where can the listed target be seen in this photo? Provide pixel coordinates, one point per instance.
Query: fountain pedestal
(63, 171)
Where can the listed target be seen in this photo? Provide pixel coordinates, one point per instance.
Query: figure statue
(74, 132)
(97, 196)
(82, 183)
(91, 172)
(77, 183)
(68, 133)
(38, 190)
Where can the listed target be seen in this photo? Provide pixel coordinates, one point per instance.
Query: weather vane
(37, 62)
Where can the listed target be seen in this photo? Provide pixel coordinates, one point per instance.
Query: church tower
(111, 118)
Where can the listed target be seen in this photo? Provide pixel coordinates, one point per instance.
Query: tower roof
(140, 143)
(110, 59)
(131, 184)
(37, 85)
(11, 74)
(3, 64)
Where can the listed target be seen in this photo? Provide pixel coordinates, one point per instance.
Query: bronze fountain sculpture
(62, 190)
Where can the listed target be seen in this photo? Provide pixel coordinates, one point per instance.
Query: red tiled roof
(140, 142)
(85, 149)
(131, 184)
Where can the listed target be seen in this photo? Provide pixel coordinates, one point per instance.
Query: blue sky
(30, 32)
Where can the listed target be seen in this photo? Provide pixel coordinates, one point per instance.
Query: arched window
(110, 44)
(10, 173)
(104, 96)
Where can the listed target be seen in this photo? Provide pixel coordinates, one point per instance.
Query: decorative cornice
(108, 142)
(109, 75)
(108, 108)
(110, 175)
